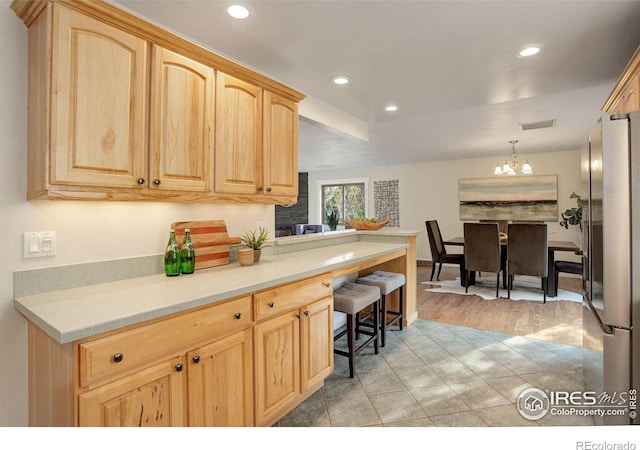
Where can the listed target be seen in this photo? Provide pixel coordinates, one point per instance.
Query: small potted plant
(255, 240)
(573, 216)
(332, 218)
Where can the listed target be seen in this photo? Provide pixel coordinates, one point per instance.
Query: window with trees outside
(348, 199)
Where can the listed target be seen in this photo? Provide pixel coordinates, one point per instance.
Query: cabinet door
(151, 397)
(280, 150)
(277, 356)
(238, 152)
(181, 122)
(220, 388)
(98, 103)
(316, 349)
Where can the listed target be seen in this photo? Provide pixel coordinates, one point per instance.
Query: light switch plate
(38, 244)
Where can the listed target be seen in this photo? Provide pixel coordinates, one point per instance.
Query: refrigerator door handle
(606, 329)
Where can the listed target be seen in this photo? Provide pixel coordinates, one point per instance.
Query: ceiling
(449, 66)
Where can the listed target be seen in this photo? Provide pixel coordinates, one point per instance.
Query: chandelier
(513, 164)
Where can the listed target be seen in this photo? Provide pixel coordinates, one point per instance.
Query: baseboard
(423, 262)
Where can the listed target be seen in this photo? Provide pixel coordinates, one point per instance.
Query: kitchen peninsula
(201, 349)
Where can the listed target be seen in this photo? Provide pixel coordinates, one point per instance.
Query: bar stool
(351, 299)
(387, 282)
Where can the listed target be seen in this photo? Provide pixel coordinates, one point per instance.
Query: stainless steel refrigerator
(611, 257)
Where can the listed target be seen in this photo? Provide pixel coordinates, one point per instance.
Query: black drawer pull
(118, 357)
(271, 304)
(179, 367)
(195, 359)
(237, 315)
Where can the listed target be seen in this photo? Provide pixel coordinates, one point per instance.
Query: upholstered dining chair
(501, 223)
(482, 250)
(527, 253)
(439, 253)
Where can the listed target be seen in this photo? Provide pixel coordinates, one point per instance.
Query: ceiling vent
(538, 125)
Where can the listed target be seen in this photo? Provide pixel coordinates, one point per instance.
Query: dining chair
(501, 223)
(482, 250)
(527, 253)
(439, 253)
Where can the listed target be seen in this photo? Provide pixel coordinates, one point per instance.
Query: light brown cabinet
(120, 109)
(625, 96)
(294, 345)
(181, 123)
(256, 142)
(154, 396)
(97, 92)
(241, 362)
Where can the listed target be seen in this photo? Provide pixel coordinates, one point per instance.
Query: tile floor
(437, 374)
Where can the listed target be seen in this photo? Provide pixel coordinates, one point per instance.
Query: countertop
(71, 314)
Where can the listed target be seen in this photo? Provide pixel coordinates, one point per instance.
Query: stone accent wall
(286, 217)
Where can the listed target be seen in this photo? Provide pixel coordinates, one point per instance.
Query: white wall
(430, 191)
(86, 231)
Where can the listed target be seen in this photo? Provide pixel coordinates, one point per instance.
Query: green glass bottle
(172, 256)
(187, 254)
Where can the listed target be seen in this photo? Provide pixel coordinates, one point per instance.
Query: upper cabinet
(256, 142)
(122, 109)
(625, 97)
(181, 123)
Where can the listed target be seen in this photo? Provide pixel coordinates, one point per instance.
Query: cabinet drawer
(290, 296)
(118, 353)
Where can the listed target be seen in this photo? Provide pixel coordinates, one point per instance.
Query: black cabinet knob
(196, 359)
(179, 367)
(118, 357)
(237, 315)
(156, 182)
(140, 180)
(259, 188)
(268, 189)
(298, 316)
(306, 313)
(327, 285)
(271, 304)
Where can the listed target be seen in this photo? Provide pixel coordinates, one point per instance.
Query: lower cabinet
(220, 387)
(151, 397)
(294, 354)
(242, 362)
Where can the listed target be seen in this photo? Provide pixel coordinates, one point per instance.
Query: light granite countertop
(71, 314)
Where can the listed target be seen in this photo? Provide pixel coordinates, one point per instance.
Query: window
(348, 199)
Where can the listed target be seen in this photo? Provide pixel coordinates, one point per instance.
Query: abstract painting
(509, 198)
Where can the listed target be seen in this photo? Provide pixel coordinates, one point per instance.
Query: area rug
(524, 288)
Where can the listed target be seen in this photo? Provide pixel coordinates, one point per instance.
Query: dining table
(552, 247)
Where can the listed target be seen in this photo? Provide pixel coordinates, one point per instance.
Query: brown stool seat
(387, 282)
(351, 299)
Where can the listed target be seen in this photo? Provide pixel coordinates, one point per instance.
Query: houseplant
(256, 240)
(332, 219)
(573, 216)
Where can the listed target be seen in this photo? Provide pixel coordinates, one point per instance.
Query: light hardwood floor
(555, 321)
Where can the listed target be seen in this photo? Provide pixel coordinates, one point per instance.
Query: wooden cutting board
(210, 241)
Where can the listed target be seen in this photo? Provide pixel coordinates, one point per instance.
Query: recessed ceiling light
(238, 11)
(341, 79)
(529, 50)
(391, 108)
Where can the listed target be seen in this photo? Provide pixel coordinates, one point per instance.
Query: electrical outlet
(38, 244)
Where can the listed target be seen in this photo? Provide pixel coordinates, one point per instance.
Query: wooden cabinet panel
(181, 123)
(98, 115)
(238, 152)
(220, 388)
(294, 295)
(151, 397)
(277, 365)
(280, 158)
(316, 332)
(146, 343)
(630, 97)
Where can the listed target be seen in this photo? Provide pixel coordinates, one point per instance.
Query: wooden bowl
(366, 225)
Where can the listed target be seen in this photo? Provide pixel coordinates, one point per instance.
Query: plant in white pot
(255, 240)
